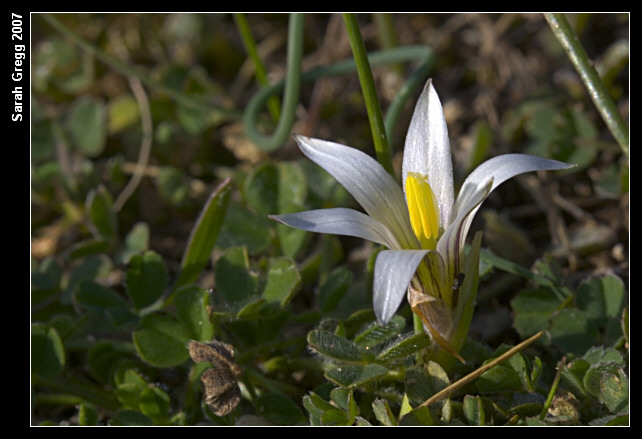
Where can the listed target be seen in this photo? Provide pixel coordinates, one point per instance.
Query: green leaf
(283, 278)
(601, 297)
(573, 376)
(102, 358)
(104, 302)
(243, 228)
(234, 280)
(403, 348)
(533, 310)
(98, 298)
(573, 331)
(87, 415)
(419, 416)
(86, 122)
(100, 206)
(422, 382)
(596, 372)
(375, 334)
(154, 402)
(279, 409)
(337, 418)
(382, 412)
(500, 378)
(191, 308)
(335, 346)
(88, 247)
(146, 279)
(614, 388)
(344, 398)
(47, 351)
(136, 241)
(334, 288)
(204, 235)
(597, 354)
(316, 405)
(173, 186)
(94, 267)
(261, 188)
(130, 418)
(162, 340)
(474, 410)
(352, 375)
(292, 191)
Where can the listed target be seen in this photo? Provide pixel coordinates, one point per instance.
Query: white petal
(367, 181)
(393, 272)
(488, 176)
(340, 221)
(500, 169)
(427, 150)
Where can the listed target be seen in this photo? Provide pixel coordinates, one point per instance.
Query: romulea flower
(424, 226)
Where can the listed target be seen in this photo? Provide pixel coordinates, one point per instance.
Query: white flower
(423, 223)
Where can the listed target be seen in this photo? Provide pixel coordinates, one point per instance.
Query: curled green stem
(421, 54)
(598, 92)
(290, 97)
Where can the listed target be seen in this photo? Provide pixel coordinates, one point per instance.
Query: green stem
(551, 394)
(598, 92)
(292, 89)
(379, 137)
(129, 71)
(259, 68)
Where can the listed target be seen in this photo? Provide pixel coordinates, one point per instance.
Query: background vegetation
(153, 172)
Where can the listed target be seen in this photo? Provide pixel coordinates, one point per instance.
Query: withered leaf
(222, 393)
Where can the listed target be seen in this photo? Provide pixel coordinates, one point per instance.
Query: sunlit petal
(393, 272)
(340, 221)
(499, 169)
(427, 150)
(368, 182)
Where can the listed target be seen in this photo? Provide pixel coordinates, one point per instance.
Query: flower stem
(382, 148)
(598, 92)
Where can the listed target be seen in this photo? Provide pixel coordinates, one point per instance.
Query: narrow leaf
(204, 234)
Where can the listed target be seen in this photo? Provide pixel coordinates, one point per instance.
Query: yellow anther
(422, 207)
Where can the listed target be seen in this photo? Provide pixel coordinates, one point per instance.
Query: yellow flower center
(423, 209)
